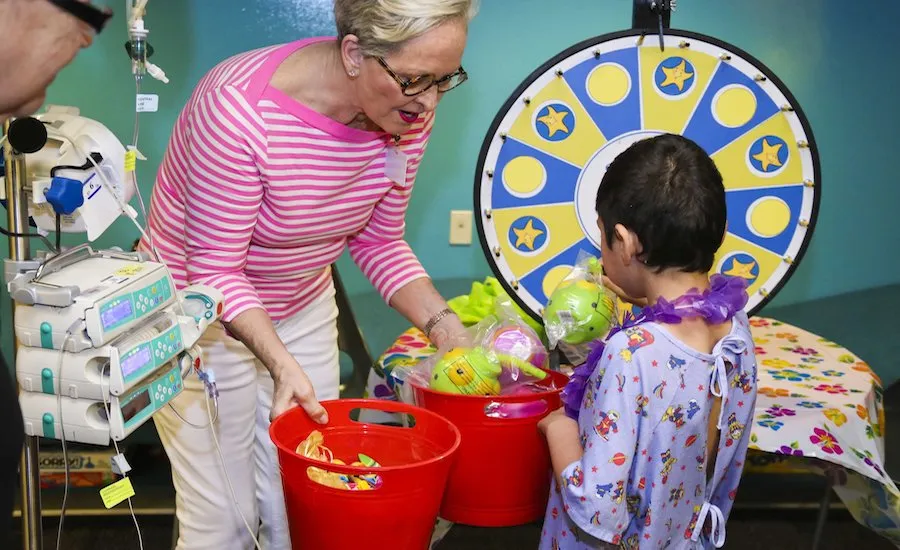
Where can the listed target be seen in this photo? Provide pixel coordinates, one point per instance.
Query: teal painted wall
(831, 55)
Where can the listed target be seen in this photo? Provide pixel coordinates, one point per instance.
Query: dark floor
(747, 530)
(752, 525)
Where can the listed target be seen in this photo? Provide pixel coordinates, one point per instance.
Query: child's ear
(630, 246)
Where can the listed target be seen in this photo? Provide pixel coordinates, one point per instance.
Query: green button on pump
(49, 428)
(46, 335)
(47, 381)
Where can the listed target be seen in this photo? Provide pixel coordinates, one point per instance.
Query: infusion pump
(106, 341)
(97, 421)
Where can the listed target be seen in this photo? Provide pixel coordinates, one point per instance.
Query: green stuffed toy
(474, 371)
(595, 267)
(583, 307)
(472, 308)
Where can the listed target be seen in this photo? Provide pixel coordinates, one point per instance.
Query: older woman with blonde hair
(282, 157)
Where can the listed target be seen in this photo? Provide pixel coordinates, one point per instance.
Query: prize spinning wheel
(548, 148)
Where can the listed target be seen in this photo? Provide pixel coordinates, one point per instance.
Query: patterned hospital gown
(642, 481)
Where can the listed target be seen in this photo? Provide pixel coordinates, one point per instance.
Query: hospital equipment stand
(17, 223)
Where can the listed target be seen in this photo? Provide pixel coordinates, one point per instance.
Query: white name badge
(395, 166)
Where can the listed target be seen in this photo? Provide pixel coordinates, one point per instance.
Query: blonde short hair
(385, 25)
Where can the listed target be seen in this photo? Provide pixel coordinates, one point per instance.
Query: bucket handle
(516, 411)
(405, 416)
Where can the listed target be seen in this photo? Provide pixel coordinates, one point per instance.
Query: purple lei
(725, 297)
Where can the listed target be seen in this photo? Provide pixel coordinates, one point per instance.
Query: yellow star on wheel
(676, 75)
(555, 121)
(769, 155)
(527, 235)
(742, 270)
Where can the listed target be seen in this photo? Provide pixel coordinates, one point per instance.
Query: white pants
(205, 509)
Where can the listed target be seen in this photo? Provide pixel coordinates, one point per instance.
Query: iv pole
(19, 251)
(17, 222)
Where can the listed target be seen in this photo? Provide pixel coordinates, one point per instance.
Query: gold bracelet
(434, 320)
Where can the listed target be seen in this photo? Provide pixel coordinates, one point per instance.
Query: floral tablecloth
(816, 401)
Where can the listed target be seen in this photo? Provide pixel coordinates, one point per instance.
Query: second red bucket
(501, 476)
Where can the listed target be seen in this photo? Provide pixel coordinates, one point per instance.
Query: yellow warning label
(130, 160)
(129, 270)
(116, 493)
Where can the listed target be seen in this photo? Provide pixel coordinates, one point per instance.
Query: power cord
(134, 145)
(62, 438)
(237, 507)
(209, 381)
(212, 393)
(119, 453)
(79, 325)
(45, 240)
(58, 232)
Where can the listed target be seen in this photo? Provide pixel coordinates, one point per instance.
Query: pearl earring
(352, 74)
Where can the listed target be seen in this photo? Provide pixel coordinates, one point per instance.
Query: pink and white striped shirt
(258, 195)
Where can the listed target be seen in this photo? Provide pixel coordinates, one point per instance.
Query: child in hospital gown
(642, 481)
(655, 456)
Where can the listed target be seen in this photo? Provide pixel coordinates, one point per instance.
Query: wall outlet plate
(461, 227)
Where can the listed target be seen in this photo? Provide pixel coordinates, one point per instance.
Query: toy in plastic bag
(580, 309)
(314, 447)
(504, 356)
(512, 334)
(477, 371)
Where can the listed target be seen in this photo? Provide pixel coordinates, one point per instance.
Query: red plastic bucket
(501, 476)
(401, 513)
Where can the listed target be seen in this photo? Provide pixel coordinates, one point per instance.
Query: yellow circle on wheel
(554, 277)
(768, 217)
(608, 84)
(734, 106)
(524, 176)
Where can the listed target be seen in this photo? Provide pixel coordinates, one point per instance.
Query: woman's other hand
(293, 388)
(254, 328)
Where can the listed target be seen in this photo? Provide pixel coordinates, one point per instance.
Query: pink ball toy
(520, 342)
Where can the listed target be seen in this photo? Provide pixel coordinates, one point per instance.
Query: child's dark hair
(669, 192)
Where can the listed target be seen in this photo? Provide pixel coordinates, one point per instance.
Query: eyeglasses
(419, 84)
(93, 16)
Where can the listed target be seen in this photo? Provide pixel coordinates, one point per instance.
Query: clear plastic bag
(503, 356)
(580, 309)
